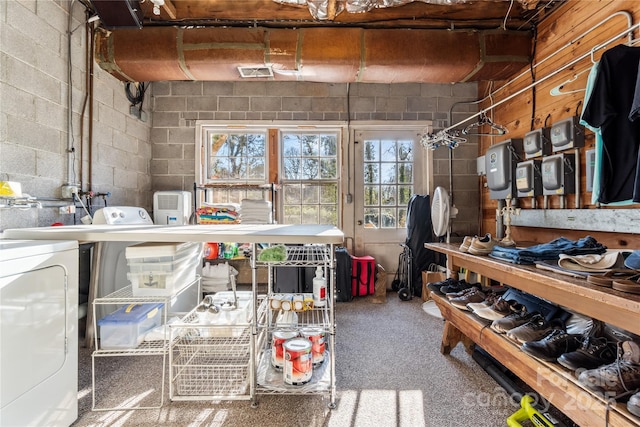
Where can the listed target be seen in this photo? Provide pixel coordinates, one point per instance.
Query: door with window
(390, 166)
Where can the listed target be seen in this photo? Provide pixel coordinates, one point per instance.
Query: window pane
(328, 214)
(236, 156)
(310, 214)
(404, 195)
(371, 173)
(292, 168)
(388, 151)
(388, 197)
(405, 173)
(310, 194)
(388, 217)
(371, 218)
(292, 214)
(291, 145)
(328, 145)
(405, 151)
(388, 162)
(310, 145)
(402, 218)
(371, 195)
(329, 194)
(310, 163)
(388, 173)
(310, 168)
(371, 151)
(292, 194)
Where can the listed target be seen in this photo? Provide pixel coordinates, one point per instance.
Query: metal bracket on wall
(608, 220)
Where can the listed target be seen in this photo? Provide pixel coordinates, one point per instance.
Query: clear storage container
(161, 269)
(126, 327)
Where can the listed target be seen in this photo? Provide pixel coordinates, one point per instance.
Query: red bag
(363, 275)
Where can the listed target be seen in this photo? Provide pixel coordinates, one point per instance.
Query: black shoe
(553, 345)
(435, 286)
(594, 352)
(459, 286)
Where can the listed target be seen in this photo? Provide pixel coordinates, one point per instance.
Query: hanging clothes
(635, 107)
(608, 108)
(595, 191)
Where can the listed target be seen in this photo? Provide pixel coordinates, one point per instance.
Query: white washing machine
(38, 333)
(113, 268)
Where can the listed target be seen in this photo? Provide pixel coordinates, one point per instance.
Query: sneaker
(497, 310)
(512, 320)
(482, 245)
(594, 352)
(490, 299)
(462, 292)
(466, 242)
(552, 345)
(633, 405)
(536, 328)
(619, 377)
(460, 285)
(436, 286)
(475, 295)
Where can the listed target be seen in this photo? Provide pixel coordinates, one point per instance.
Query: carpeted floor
(389, 372)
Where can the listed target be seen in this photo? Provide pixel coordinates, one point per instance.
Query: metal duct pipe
(323, 54)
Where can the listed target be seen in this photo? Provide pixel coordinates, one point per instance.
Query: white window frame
(206, 126)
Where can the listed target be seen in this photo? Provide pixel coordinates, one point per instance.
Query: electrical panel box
(566, 134)
(590, 160)
(500, 167)
(529, 178)
(536, 143)
(558, 175)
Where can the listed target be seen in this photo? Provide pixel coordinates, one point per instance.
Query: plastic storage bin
(161, 269)
(125, 328)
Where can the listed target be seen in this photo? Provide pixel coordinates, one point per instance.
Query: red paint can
(317, 338)
(277, 351)
(297, 361)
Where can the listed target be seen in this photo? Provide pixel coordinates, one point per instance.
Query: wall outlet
(68, 191)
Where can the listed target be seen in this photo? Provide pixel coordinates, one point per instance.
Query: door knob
(359, 222)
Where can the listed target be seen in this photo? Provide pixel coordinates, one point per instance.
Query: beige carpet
(389, 373)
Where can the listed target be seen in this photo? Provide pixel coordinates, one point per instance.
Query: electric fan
(441, 212)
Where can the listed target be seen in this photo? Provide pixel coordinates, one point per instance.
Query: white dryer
(38, 333)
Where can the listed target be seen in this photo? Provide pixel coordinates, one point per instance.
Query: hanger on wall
(484, 120)
(559, 90)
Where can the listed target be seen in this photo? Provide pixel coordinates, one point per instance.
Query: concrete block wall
(178, 105)
(34, 142)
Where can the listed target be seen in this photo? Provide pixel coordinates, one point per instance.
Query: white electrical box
(172, 207)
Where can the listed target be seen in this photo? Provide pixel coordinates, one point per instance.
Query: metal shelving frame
(125, 296)
(212, 362)
(323, 379)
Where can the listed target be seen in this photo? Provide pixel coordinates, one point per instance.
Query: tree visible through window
(310, 177)
(235, 158)
(388, 182)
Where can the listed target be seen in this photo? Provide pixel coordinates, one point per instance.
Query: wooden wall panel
(558, 43)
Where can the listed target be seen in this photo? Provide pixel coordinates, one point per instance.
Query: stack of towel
(256, 211)
(216, 213)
